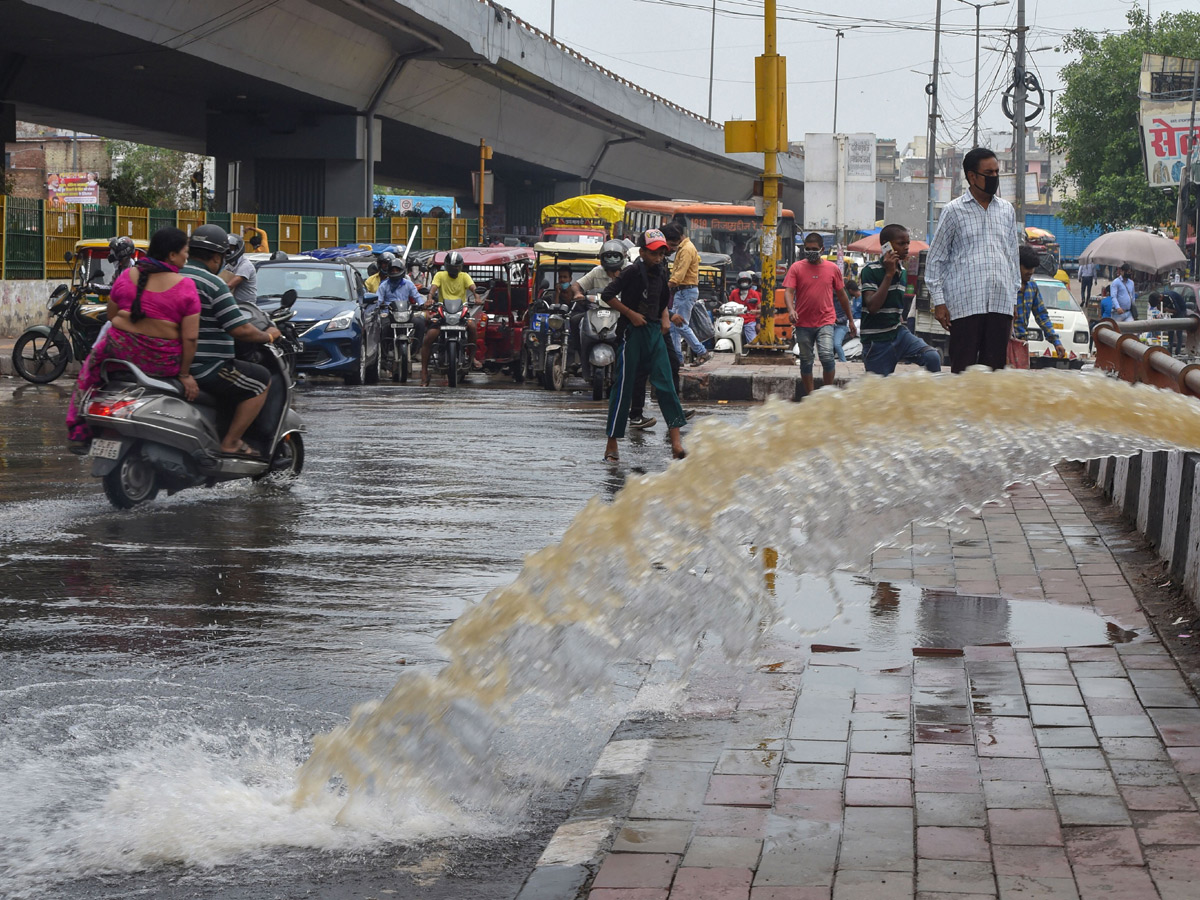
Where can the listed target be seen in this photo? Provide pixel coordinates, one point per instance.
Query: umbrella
(870, 244)
(1144, 251)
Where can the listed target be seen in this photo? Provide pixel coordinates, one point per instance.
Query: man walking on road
(685, 290)
(808, 289)
(1087, 276)
(640, 294)
(1124, 295)
(972, 270)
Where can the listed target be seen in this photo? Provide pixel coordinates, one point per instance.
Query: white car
(1070, 322)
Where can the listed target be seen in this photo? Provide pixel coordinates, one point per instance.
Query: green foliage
(1097, 122)
(152, 177)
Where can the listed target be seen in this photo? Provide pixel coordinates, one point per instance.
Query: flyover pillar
(290, 162)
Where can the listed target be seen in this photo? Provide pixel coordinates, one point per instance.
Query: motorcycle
(728, 328)
(147, 436)
(544, 353)
(42, 352)
(598, 344)
(451, 352)
(398, 336)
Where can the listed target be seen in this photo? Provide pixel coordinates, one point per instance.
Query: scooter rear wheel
(132, 482)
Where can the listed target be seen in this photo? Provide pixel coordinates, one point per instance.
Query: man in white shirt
(973, 271)
(1087, 276)
(1124, 294)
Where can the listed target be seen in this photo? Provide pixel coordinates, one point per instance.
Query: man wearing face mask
(399, 289)
(973, 269)
(808, 289)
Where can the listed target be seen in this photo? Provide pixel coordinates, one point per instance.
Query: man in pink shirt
(808, 288)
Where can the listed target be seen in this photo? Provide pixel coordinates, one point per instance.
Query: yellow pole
(483, 155)
(769, 136)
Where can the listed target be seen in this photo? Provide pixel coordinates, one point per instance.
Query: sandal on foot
(244, 450)
(611, 457)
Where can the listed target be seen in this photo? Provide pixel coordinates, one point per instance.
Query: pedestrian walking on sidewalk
(641, 295)
(685, 292)
(1124, 295)
(808, 290)
(885, 339)
(972, 270)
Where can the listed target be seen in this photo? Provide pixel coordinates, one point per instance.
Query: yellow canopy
(589, 209)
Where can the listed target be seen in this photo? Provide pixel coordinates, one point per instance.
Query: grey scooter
(149, 437)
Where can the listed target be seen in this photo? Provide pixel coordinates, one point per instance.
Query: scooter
(598, 345)
(544, 354)
(450, 350)
(147, 436)
(728, 329)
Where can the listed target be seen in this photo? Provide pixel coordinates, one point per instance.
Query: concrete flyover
(280, 91)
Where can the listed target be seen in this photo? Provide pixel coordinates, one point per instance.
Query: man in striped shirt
(972, 270)
(234, 381)
(885, 340)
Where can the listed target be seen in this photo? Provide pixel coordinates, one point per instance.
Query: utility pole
(1050, 152)
(1186, 175)
(978, 8)
(767, 135)
(551, 18)
(931, 150)
(712, 52)
(485, 153)
(837, 69)
(1019, 119)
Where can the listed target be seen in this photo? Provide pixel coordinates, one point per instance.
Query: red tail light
(99, 408)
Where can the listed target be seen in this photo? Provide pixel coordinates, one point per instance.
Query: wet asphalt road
(147, 650)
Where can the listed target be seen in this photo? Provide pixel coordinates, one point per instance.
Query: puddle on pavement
(884, 622)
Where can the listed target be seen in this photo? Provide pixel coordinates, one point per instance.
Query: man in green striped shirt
(236, 382)
(885, 340)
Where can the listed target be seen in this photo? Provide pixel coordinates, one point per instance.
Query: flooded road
(162, 672)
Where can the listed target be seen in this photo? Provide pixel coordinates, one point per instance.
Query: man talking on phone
(885, 340)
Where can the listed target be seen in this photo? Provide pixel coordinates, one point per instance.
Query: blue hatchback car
(337, 320)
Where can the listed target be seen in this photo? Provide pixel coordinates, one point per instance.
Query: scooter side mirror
(288, 299)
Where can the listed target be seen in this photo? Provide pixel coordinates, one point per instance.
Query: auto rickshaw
(503, 279)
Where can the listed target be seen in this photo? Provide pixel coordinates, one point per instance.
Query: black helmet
(385, 261)
(210, 237)
(612, 256)
(237, 246)
(120, 248)
(454, 263)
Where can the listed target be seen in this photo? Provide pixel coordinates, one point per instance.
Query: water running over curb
(822, 482)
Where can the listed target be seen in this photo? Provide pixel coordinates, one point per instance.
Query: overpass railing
(1119, 350)
(34, 236)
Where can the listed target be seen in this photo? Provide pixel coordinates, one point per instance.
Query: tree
(152, 176)
(1098, 123)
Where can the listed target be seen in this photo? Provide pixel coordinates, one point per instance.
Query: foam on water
(651, 573)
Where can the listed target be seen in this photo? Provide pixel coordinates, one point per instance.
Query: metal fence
(35, 237)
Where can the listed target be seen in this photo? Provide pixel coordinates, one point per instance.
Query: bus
(717, 228)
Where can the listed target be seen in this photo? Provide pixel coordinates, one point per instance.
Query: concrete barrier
(23, 303)
(1158, 491)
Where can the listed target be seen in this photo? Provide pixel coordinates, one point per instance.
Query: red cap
(654, 240)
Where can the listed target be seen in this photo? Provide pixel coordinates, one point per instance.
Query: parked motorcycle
(544, 354)
(147, 436)
(598, 344)
(451, 351)
(42, 353)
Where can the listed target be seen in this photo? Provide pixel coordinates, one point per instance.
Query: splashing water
(822, 482)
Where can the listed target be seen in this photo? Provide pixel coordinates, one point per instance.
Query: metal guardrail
(1118, 350)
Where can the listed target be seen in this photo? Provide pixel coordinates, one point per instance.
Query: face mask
(395, 279)
(991, 184)
(813, 256)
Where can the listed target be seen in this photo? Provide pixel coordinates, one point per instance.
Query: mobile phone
(885, 249)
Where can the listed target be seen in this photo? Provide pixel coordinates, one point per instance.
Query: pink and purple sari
(154, 356)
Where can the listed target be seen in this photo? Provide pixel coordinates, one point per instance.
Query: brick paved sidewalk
(1012, 773)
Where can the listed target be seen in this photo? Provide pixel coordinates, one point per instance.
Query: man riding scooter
(612, 261)
(237, 383)
(451, 283)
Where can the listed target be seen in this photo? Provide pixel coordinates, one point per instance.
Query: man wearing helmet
(451, 283)
(239, 273)
(746, 295)
(396, 287)
(612, 261)
(241, 384)
(383, 262)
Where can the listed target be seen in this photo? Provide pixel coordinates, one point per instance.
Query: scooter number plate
(106, 449)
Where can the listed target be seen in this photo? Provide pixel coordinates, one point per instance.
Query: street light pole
(712, 50)
(837, 68)
(1019, 119)
(1050, 152)
(978, 7)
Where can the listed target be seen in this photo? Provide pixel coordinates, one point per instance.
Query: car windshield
(1056, 296)
(308, 282)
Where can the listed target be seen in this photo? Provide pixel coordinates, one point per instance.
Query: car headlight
(341, 321)
(1081, 337)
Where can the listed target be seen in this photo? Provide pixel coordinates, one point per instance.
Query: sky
(663, 45)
